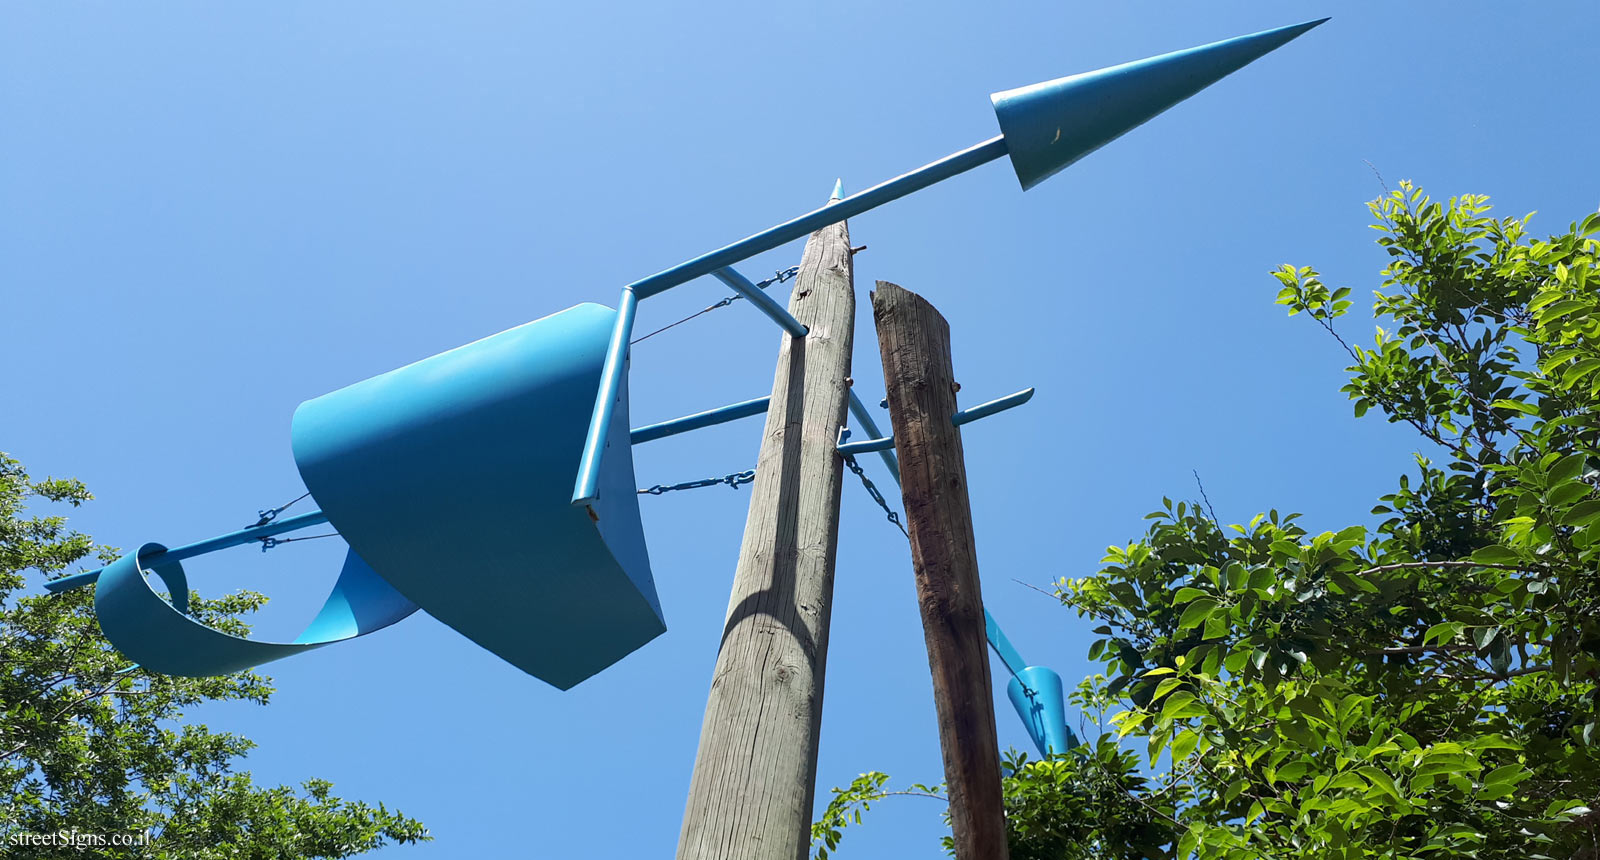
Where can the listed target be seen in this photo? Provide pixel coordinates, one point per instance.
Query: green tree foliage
(1092, 803)
(92, 748)
(1422, 684)
(1425, 687)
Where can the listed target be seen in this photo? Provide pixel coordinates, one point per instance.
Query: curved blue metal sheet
(162, 637)
(1050, 125)
(452, 477)
(1036, 694)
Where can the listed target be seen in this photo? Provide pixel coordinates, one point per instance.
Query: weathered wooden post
(755, 773)
(918, 375)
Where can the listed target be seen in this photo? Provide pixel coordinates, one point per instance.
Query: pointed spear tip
(1049, 126)
(1294, 30)
(838, 190)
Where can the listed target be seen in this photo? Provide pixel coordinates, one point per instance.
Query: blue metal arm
(760, 299)
(587, 488)
(863, 415)
(232, 539)
(832, 213)
(708, 418)
(965, 416)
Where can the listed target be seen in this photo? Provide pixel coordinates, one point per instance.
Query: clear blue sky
(211, 212)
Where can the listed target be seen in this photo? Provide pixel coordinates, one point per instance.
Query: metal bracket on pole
(965, 416)
(768, 305)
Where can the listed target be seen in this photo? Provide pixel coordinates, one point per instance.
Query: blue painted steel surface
(610, 394)
(450, 477)
(758, 297)
(1001, 645)
(965, 416)
(1044, 128)
(1050, 125)
(993, 407)
(161, 636)
(870, 427)
(832, 213)
(708, 418)
(1036, 694)
(866, 446)
(232, 539)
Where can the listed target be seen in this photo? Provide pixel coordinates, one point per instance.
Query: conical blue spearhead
(1049, 126)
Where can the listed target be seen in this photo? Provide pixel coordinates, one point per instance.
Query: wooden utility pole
(917, 373)
(755, 774)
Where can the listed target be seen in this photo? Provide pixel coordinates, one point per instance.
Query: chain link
(734, 480)
(872, 490)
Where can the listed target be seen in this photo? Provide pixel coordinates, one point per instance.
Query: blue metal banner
(451, 477)
(162, 637)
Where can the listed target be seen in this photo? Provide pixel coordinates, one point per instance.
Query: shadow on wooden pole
(755, 773)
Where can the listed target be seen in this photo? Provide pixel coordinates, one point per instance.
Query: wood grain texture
(914, 341)
(755, 774)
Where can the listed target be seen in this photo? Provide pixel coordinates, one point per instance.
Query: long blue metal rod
(965, 416)
(832, 213)
(709, 418)
(760, 299)
(587, 487)
(984, 410)
(232, 539)
(1001, 645)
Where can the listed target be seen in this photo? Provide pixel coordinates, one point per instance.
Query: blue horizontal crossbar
(984, 410)
(232, 539)
(708, 418)
(965, 416)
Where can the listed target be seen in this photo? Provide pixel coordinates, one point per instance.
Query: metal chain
(876, 496)
(733, 480)
(777, 278)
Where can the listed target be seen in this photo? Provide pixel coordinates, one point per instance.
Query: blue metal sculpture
(1044, 128)
(448, 477)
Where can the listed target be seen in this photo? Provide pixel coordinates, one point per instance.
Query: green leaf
(1568, 467)
(1347, 780)
(1444, 632)
(1380, 779)
(1186, 594)
(1165, 687)
(1495, 555)
(1184, 744)
(1582, 514)
(1517, 405)
(1196, 612)
(1511, 774)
